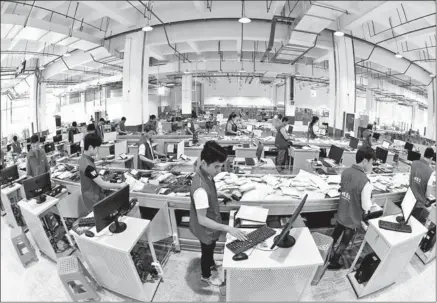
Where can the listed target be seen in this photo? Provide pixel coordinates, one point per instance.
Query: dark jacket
(91, 191)
(100, 131)
(37, 163)
(280, 141)
(311, 134)
(350, 210)
(419, 177)
(205, 234)
(16, 148)
(71, 133)
(148, 154)
(367, 139)
(234, 128)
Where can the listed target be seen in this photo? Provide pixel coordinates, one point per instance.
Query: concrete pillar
(37, 104)
(344, 71)
(82, 101)
(187, 93)
(431, 125)
(288, 101)
(414, 117)
(135, 80)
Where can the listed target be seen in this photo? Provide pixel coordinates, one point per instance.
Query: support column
(431, 125)
(289, 98)
(37, 104)
(370, 101)
(187, 94)
(135, 80)
(414, 117)
(343, 63)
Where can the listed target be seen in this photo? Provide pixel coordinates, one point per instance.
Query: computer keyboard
(249, 161)
(325, 163)
(254, 238)
(403, 228)
(87, 222)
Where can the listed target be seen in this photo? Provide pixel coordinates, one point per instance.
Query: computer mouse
(89, 233)
(240, 257)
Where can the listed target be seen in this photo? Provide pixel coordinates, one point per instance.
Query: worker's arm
(91, 173)
(201, 203)
(28, 168)
(366, 197)
(46, 163)
(431, 188)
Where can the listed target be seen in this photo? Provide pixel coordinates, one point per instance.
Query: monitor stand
(400, 220)
(287, 242)
(117, 227)
(41, 199)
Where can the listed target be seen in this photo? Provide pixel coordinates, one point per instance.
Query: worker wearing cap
(37, 163)
(91, 183)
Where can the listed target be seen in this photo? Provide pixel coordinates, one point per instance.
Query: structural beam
(110, 9)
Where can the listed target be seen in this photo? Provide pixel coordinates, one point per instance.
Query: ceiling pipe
(300, 57)
(271, 40)
(120, 68)
(84, 71)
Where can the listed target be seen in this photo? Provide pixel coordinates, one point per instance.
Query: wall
(304, 99)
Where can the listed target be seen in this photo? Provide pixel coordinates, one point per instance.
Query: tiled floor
(181, 282)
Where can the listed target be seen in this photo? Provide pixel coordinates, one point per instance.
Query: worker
(422, 184)
(37, 163)
(211, 122)
(147, 156)
(311, 133)
(355, 201)
(231, 126)
(205, 219)
(91, 183)
(282, 142)
(73, 131)
(100, 130)
(90, 129)
(190, 129)
(193, 114)
(15, 146)
(367, 136)
(277, 122)
(151, 122)
(122, 126)
(241, 113)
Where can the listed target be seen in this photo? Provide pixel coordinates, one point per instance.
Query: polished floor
(40, 282)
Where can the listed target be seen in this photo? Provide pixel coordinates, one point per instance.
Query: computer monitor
(413, 156)
(353, 143)
(408, 146)
(57, 138)
(290, 129)
(9, 174)
(381, 154)
(284, 240)
(42, 139)
(77, 138)
(110, 208)
(112, 136)
(45, 133)
(250, 128)
(58, 132)
(386, 144)
(376, 136)
(28, 140)
(335, 153)
(407, 206)
(181, 149)
(75, 148)
(49, 147)
(37, 186)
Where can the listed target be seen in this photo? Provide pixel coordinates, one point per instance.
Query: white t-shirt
(200, 199)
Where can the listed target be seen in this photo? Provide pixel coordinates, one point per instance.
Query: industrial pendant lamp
(243, 18)
(399, 56)
(147, 28)
(432, 75)
(338, 32)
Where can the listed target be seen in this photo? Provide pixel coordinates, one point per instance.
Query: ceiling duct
(311, 21)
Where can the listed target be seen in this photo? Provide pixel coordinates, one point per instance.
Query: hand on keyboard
(237, 233)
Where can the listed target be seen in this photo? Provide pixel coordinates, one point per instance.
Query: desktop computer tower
(428, 240)
(367, 268)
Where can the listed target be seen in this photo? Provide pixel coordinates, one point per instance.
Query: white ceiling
(195, 29)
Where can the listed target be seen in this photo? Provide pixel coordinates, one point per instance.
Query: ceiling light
(147, 28)
(339, 34)
(244, 20)
(41, 67)
(161, 90)
(242, 70)
(432, 75)
(399, 56)
(186, 71)
(67, 55)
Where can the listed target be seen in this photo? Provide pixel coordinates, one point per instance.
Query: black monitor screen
(37, 186)
(335, 153)
(9, 174)
(381, 154)
(376, 136)
(106, 210)
(74, 148)
(28, 140)
(408, 146)
(42, 139)
(59, 132)
(49, 147)
(57, 138)
(353, 143)
(58, 122)
(413, 156)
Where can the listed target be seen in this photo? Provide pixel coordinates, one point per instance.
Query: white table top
(303, 253)
(124, 241)
(37, 209)
(9, 189)
(268, 162)
(394, 237)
